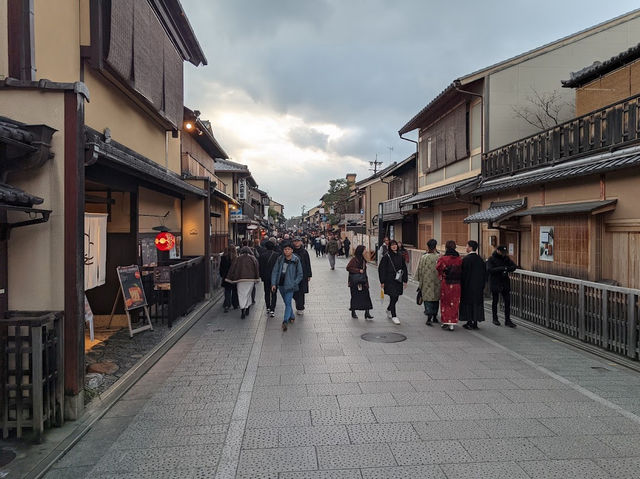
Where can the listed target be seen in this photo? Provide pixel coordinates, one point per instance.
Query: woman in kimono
(429, 281)
(449, 269)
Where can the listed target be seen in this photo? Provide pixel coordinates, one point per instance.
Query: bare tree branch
(543, 110)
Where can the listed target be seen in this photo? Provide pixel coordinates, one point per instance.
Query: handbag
(399, 273)
(359, 278)
(419, 297)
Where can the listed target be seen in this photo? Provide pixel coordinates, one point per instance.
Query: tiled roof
(226, 165)
(10, 195)
(567, 208)
(597, 69)
(572, 169)
(496, 211)
(442, 191)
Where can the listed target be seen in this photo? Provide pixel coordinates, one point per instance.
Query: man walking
(474, 277)
(286, 276)
(499, 265)
(303, 287)
(266, 262)
(346, 244)
(332, 250)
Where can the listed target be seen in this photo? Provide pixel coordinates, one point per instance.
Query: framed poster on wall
(546, 243)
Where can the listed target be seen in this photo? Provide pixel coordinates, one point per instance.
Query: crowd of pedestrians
(448, 283)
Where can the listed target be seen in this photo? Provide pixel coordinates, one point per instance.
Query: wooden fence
(598, 314)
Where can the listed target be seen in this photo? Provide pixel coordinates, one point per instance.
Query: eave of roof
(180, 30)
(375, 177)
(596, 164)
(497, 211)
(206, 139)
(597, 69)
(404, 163)
(570, 208)
(443, 191)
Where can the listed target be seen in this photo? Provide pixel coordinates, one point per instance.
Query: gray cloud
(365, 66)
(306, 137)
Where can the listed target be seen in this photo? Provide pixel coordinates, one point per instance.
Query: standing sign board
(132, 293)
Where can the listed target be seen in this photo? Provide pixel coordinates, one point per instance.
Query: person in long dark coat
(390, 263)
(346, 245)
(474, 277)
(360, 297)
(230, 289)
(303, 288)
(499, 265)
(266, 261)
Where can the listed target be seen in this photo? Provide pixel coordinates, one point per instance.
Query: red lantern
(165, 241)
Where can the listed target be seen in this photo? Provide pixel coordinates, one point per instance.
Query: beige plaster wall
(153, 203)
(85, 22)
(4, 49)
(129, 124)
(120, 218)
(623, 186)
(195, 232)
(376, 193)
(57, 40)
(36, 252)
(511, 86)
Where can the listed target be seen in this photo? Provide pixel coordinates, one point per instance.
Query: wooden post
(547, 321)
(605, 319)
(581, 318)
(73, 247)
(631, 325)
(36, 381)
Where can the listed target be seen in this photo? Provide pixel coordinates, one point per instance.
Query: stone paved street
(243, 399)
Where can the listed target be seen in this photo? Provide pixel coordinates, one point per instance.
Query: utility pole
(390, 148)
(304, 207)
(374, 165)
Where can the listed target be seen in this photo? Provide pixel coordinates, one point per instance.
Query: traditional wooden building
(487, 109)
(564, 200)
(117, 155)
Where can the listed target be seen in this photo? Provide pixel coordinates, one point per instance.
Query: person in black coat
(474, 277)
(303, 288)
(346, 245)
(390, 263)
(266, 261)
(499, 265)
(230, 289)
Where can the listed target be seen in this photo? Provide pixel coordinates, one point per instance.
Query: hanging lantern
(165, 241)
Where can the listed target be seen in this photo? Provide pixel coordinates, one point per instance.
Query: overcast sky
(305, 91)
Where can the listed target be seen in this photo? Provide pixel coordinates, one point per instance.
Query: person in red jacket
(449, 268)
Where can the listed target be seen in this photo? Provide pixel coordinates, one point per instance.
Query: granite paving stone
(355, 455)
(484, 470)
(566, 469)
(243, 399)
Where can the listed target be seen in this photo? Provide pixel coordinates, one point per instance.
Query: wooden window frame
(20, 39)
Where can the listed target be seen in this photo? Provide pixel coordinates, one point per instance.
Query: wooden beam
(73, 243)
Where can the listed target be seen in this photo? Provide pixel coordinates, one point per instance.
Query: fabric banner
(95, 249)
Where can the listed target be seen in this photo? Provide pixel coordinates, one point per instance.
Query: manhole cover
(6, 456)
(383, 337)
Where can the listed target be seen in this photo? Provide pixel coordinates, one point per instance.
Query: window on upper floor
(445, 141)
(20, 36)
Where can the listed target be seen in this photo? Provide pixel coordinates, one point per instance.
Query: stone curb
(111, 396)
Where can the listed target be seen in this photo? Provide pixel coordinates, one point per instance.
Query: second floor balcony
(606, 129)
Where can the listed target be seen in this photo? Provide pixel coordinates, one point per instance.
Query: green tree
(335, 200)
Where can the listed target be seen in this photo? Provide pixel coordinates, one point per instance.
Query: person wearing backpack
(394, 277)
(332, 250)
(266, 262)
(359, 285)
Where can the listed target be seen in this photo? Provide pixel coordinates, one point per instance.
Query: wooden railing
(393, 205)
(598, 314)
(600, 130)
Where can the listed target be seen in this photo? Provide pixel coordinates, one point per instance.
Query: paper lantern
(165, 241)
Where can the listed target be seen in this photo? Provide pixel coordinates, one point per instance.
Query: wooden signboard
(133, 296)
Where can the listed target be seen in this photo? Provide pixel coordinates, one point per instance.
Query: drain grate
(6, 456)
(599, 368)
(383, 337)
